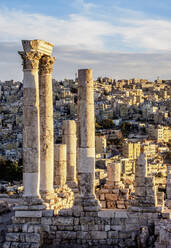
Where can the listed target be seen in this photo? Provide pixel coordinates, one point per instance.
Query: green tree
(107, 124)
(10, 171)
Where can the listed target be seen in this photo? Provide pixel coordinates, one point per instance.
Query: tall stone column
(69, 138)
(60, 165)
(31, 132)
(86, 138)
(46, 125)
(168, 186)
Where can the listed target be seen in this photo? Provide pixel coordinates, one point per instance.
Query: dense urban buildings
(95, 154)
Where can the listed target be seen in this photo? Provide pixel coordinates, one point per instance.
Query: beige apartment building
(160, 133)
(101, 144)
(131, 150)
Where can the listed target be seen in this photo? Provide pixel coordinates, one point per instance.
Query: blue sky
(90, 33)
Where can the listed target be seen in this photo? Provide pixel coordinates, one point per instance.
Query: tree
(107, 124)
(10, 171)
(98, 126)
(125, 128)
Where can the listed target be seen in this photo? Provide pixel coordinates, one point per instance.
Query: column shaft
(31, 131)
(60, 165)
(69, 138)
(86, 137)
(46, 125)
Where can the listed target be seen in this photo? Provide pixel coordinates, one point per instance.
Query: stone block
(104, 191)
(48, 213)
(25, 227)
(99, 235)
(37, 228)
(15, 245)
(65, 212)
(102, 197)
(33, 238)
(66, 228)
(69, 235)
(10, 228)
(112, 234)
(59, 220)
(22, 237)
(46, 221)
(140, 191)
(13, 237)
(84, 228)
(87, 220)
(103, 204)
(30, 228)
(116, 227)
(106, 213)
(35, 246)
(149, 181)
(92, 208)
(6, 245)
(29, 214)
(111, 197)
(150, 191)
(83, 235)
(107, 228)
(120, 205)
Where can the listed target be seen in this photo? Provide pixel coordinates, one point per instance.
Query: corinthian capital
(46, 64)
(30, 59)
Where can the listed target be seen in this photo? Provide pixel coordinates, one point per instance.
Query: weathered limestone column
(168, 186)
(114, 173)
(86, 137)
(60, 165)
(46, 125)
(145, 189)
(31, 132)
(140, 175)
(69, 138)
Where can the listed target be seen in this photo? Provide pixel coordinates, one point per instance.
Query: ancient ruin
(52, 215)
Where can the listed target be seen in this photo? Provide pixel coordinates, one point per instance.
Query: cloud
(149, 34)
(127, 30)
(77, 31)
(69, 60)
(82, 41)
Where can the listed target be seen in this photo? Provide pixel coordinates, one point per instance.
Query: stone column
(145, 189)
(114, 173)
(60, 165)
(31, 132)
(46, 125)
(168, 186)
(69, 138)
(86, 137)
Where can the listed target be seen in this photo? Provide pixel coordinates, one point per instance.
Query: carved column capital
(30, 60)
(46, 64)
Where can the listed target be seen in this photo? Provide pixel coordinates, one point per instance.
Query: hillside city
(129, 114)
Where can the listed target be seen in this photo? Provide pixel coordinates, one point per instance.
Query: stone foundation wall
(106, 228)
(163, 231)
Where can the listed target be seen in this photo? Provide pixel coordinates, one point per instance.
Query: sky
(116, 38)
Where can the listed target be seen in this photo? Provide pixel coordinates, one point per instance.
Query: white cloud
(134, 31)
(69, 60)
(80, 41)
(146, 34)
(77, 31)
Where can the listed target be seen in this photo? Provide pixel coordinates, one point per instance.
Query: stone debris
(114, 195)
